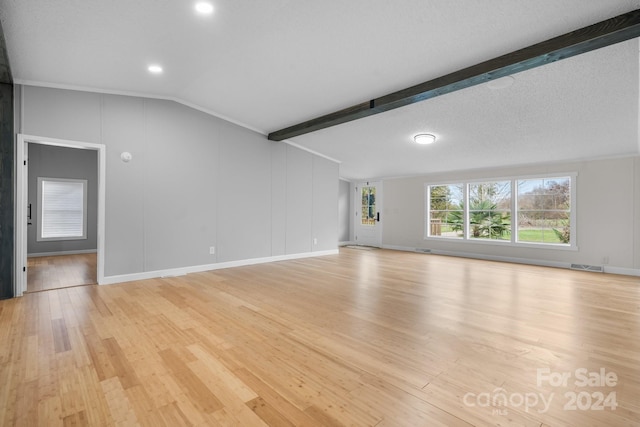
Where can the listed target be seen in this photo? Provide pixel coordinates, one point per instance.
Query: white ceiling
(272, 64)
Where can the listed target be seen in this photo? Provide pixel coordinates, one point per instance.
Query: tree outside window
(446, 210)
(544, 210)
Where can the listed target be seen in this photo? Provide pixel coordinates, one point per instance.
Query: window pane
(63, 209)
(544, 210)
(446, 213)
(368, 206)
(490, 210)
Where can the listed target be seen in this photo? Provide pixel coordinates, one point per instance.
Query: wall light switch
(212, 250)
(315, 241)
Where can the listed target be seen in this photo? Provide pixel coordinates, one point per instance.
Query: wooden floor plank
(190, 383)
(276, 401)
(61, 340)
(61, 271)
(365, 338)
(268, 413)
(173, 416)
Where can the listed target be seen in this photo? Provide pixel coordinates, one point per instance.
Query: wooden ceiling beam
(605, 33)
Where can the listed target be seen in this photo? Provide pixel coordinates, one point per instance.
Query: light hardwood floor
(364, 338)
(61, 271)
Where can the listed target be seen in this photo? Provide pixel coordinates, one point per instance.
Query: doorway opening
(74, 257)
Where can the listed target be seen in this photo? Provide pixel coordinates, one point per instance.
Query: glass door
(368, 221)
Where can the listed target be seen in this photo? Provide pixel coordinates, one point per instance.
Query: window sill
(554, 246)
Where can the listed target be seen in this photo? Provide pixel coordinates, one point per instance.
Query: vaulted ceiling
(271, 64)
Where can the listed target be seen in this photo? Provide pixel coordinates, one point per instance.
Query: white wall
(607, 209)
(344, 211)
(195, 181)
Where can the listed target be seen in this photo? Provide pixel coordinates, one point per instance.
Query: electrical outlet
(212, 250)
(315, 241)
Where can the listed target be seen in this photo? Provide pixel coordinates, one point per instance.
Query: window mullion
(466, 211)
(514, 211)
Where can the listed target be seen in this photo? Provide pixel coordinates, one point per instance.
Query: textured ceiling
(271, 64)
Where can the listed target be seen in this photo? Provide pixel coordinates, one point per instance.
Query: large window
(536, 210)
(62, 209)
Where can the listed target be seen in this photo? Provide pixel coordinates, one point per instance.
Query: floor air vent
(585, 267)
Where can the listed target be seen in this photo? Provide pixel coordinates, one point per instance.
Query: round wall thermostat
(126, 157)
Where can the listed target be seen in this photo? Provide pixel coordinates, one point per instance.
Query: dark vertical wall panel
(6, 173)
(6, 191)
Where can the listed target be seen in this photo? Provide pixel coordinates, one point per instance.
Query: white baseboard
(41, 254)
(181, 271)
(346, 243)
(399, 248)
(621, 270)
(543, 263)
(484, 257)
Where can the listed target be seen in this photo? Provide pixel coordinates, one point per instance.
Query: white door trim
(20, 285)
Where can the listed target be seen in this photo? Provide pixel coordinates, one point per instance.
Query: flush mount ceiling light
(204, 8)
(424, 138)
(154, 69)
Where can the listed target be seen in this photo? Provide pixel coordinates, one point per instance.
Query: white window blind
(62, 209)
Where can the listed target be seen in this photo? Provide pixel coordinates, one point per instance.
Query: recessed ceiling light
(424, 138)
(155, 69)
(204, 7)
